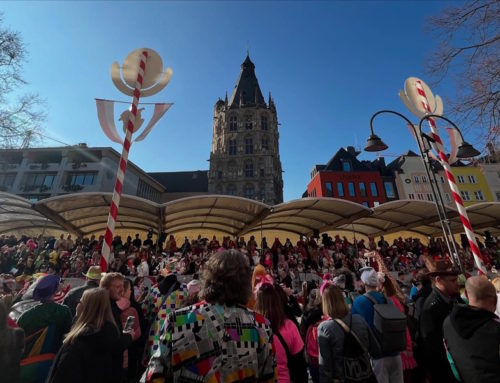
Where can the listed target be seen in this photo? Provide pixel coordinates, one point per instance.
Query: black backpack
(356, 359)
(297, 365)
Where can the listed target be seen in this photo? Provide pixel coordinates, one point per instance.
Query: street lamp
(465, 150)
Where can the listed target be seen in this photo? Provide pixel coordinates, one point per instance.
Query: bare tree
(469, 52)
(20, 120)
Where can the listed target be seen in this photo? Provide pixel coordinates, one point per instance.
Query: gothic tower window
(249, 191)
(263, 122)
(262, 192)
(232, 169)
(248, 123)
(233, 123)
(231, 190)
(248, 145)
(248, 168)
(265, 143)
(232, 147)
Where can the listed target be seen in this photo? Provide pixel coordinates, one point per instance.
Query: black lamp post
(465, 150)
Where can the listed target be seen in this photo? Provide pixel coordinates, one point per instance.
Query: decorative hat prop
(440, 267)
(46, 288)
(94, 273)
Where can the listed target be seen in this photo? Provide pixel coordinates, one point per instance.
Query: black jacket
(88, 358)
(11, 349)
(75, 294)
(435, 310)
(473, 339)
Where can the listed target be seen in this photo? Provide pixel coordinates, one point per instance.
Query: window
(461, 179)
(261, 172)
(362, 189)
(472, 179)
(416, 179)
(248, 123)
(329, 189)
(249, 191)
(262, 193)
(263, 122)
(389, 190)
(232, 147)
(373, 189)
(465, 195)
(346, 166)
(447, 197)
(352, 191)
(429, 197)
(7, 180)
(82, 178)
(42, 181)
(219, 175)
(265, 143)
(231, 190)
(248, 146)
(478, 194)
(249, 169)
(411, 196)
(424, 179)
(340, 189)
(313, 193)
(420, 196)
(364, 203)
(233, 123)
(442, 179)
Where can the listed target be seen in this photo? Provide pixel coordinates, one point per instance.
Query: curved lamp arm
(429, 116)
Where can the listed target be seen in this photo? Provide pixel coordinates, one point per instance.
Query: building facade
(471, 183)
(37, 173)
(244, 159)
(346, 177)
(490, 166)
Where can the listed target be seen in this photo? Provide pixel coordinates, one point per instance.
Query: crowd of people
(323, 309)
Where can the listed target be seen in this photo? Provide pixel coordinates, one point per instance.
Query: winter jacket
(472, 336)
(11, 348)
(75, 294)
(88, 359)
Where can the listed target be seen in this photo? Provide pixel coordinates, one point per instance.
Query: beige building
(244, 159)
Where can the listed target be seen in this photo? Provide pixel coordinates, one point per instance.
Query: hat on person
(440, 267)
(194, 287)
(46, 288)
(369, 276)
(94, 272)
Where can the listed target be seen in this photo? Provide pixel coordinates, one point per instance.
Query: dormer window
(346, 166)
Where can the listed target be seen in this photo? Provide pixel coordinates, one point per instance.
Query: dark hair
(270, 304)
(388, 287)
(227, 279)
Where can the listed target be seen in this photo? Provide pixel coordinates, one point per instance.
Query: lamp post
(375, 144)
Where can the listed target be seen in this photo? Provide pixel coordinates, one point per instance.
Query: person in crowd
(312, 312)
(113, 283)
(496, 283)
(331, 336)
(137, 241)
(438, 305)
(472, 334)
(389, 367)
(87, 352)
(93, 276)
(221, 323)
(11, 347)
(44, 326)
(194, 288)
(284, 330)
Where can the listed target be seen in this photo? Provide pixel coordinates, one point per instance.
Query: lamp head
(466, 150)
(375, 144)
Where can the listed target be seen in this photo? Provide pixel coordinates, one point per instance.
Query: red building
(346, 177)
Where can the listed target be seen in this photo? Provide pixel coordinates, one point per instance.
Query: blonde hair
(496, 283)
(334, 303)
(108, 279)
(95, 310)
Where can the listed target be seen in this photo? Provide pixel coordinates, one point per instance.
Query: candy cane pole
(451, 181)
(120, 174)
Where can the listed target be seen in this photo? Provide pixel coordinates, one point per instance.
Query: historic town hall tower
(245, 160)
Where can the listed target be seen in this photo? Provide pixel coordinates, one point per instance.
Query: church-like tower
(245, 160)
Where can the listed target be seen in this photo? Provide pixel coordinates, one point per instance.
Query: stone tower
(245, 159)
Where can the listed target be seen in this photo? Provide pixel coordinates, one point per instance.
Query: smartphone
(128, 324)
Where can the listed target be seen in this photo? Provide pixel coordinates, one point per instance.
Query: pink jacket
(291, 335)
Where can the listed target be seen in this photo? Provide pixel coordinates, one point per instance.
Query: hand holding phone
(128, 324)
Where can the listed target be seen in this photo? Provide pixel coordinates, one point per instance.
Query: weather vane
(141, 75)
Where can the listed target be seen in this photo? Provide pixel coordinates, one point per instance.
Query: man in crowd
(472, 333)
(438, 305)
(389, 368)
(137, 242)
(220, 340)
(93, 276)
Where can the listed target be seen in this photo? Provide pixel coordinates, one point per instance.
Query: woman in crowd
(11, 347)
(269, 304)
(86, 355)
(331, 336)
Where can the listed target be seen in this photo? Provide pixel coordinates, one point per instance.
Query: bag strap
(373, 300)
(285, 346)
(348, 330)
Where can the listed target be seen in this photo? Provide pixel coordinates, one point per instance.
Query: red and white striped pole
(451, 181)
(120, 175)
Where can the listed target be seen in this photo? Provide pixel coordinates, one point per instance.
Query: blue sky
(329, 66)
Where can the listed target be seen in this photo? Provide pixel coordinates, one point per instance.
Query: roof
(247, 91)
(335, 163)
(185, 182)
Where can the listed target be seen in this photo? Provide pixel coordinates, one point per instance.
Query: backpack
(297, 365)
(312, 349)
(389, 326)
(355, 357)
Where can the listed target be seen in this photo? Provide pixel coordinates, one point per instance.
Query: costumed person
(44, 326)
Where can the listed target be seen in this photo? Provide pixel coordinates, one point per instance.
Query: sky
(330, 65)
